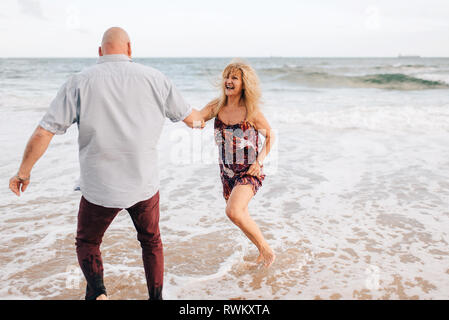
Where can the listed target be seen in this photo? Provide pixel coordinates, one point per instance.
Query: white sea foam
(356, 208)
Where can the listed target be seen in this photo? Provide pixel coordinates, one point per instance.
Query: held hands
(195, 120)
(17, 184)
(198, 124)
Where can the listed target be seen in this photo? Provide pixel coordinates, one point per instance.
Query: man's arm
(194, 120)
(36, 147)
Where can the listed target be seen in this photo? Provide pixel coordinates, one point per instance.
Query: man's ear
(129, 49)
(100, 53)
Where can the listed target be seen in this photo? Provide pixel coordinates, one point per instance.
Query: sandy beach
(355, 202)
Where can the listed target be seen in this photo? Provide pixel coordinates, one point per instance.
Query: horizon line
(228, 57)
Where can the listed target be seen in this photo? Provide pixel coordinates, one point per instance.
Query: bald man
(119, 107)
(115, 41)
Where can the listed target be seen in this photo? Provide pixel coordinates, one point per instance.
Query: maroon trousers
(93, 220)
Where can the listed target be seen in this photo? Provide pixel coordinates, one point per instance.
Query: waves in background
(355, 202)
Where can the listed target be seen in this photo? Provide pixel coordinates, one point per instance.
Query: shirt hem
(115, 205)
(50, 128)
(185, 115)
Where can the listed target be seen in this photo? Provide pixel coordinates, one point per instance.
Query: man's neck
(111, 52)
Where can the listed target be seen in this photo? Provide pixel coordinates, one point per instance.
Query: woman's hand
(255, 169)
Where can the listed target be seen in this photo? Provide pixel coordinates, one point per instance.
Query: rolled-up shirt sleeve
(176, 108)
(62, 112)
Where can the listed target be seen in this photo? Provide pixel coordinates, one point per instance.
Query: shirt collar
(113, 58)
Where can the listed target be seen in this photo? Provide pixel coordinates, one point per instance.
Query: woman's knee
(235, 213)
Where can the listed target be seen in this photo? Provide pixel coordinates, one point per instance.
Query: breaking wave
(319, 78)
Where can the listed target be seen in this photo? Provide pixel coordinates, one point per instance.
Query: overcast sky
(207, 28)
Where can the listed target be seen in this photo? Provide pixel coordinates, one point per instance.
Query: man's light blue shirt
(120, 107)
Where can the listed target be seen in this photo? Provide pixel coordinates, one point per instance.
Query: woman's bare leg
(237, 211)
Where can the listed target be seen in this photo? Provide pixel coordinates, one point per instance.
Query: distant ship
(408, 56)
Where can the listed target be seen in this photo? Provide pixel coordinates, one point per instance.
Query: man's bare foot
(266, 256)
(102, 297)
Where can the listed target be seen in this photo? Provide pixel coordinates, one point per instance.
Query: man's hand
(17, 184)
(36, 146)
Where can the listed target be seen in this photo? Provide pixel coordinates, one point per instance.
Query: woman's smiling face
(233, 83)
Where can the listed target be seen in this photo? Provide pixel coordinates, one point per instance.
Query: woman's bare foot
(266, 256)
(102, 297)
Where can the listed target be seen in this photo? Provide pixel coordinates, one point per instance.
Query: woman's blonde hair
(251, 93)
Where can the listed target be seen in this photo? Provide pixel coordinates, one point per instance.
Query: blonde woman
(238, 122)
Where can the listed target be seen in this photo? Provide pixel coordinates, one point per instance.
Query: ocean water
(355, 203)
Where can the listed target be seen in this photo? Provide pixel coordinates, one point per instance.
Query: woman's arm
(264, 128)
(194, 120)
(208, 111)
(197, 119)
